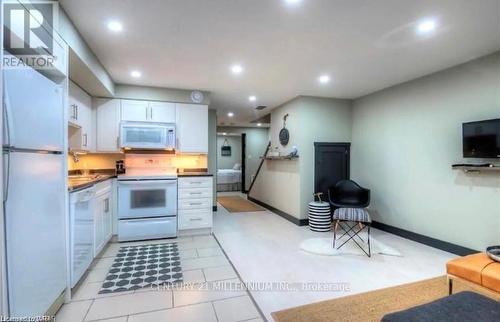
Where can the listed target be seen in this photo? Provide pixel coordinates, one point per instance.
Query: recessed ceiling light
(230, 114)
(259, 124)
(426, 26)
(115, 26)
(236, 69)
(252, 98)
(293, 2)
(135, 74)
(323, 79)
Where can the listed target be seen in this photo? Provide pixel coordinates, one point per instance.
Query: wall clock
(196, 96)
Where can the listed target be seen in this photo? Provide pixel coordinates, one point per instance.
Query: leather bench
(475, 270)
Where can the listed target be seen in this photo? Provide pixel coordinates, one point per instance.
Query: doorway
(331, 164)
(230, 162)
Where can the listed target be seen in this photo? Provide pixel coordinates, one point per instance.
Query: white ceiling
(364, 45)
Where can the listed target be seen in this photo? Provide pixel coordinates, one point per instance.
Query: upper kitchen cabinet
(143, 111)
(80, 119)
(192, 128)
(162, 112)
(135, 110)
(108, 124)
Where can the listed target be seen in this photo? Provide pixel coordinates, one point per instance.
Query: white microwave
(146, 135)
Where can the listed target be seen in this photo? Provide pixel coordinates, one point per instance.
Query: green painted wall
(405, 140)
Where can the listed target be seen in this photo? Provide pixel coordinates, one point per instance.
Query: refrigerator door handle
(8, 127)
(6, 175)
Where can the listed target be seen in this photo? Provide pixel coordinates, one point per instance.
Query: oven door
(139, 135)
(147, 198)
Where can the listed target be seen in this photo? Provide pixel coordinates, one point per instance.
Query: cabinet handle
(85, 140)
(151, 112)
(118, 142)
(195, 219)
(195, 182)
(195, 193)
(106, 205)
(195, 203)
(76, 109)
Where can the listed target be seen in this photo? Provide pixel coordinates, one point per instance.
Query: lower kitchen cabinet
(103, 219)
(195, 205)
(91, 225)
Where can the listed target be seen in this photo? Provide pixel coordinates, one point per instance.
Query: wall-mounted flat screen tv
(481, 139)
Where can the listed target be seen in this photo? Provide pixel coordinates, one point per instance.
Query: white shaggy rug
(324, 246)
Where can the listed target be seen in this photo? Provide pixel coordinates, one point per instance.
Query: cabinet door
(135, 110)
(72, 118)
(80, 114)
(87, 126)
(108, 124)
(192, 128)
(162, 112)
(98, 235)
(107, 218)
(102, 222)
(74, 100)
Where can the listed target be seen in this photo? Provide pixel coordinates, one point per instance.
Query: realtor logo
(28, 33)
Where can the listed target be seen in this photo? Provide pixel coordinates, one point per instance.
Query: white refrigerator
(34, 190)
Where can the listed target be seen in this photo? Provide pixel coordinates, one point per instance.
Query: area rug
(370, 306)
(141, 266)
(238, 204)
(324, 246)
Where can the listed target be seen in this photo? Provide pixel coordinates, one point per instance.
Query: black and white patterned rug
(141, 266)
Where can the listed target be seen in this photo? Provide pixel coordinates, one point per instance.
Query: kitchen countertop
(78, 182)
(82, 182)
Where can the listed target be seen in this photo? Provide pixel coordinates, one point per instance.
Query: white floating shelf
(467, 169)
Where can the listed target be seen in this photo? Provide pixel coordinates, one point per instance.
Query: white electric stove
(147, 199)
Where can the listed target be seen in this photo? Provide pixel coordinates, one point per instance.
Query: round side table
(320, 219)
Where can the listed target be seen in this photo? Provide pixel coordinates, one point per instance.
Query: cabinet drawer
(150, 228)
(195, 182)
(204, 203)
(194, 219)
(185, 193)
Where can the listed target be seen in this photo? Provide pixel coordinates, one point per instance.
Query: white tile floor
(264, 247)
(202, 261)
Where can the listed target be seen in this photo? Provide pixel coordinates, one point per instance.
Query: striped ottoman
(320, 216)
(352, 214)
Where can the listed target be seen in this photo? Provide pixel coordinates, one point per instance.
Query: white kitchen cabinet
(144, 111)
(162, 112)
(103, 217)
(80, 117)
(107, 124)
(135, 111)
(192, 128)
(195, 205)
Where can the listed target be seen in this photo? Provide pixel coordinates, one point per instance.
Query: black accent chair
(348, 194)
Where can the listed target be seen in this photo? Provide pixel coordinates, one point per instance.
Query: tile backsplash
(108, 160)
(95, 161)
